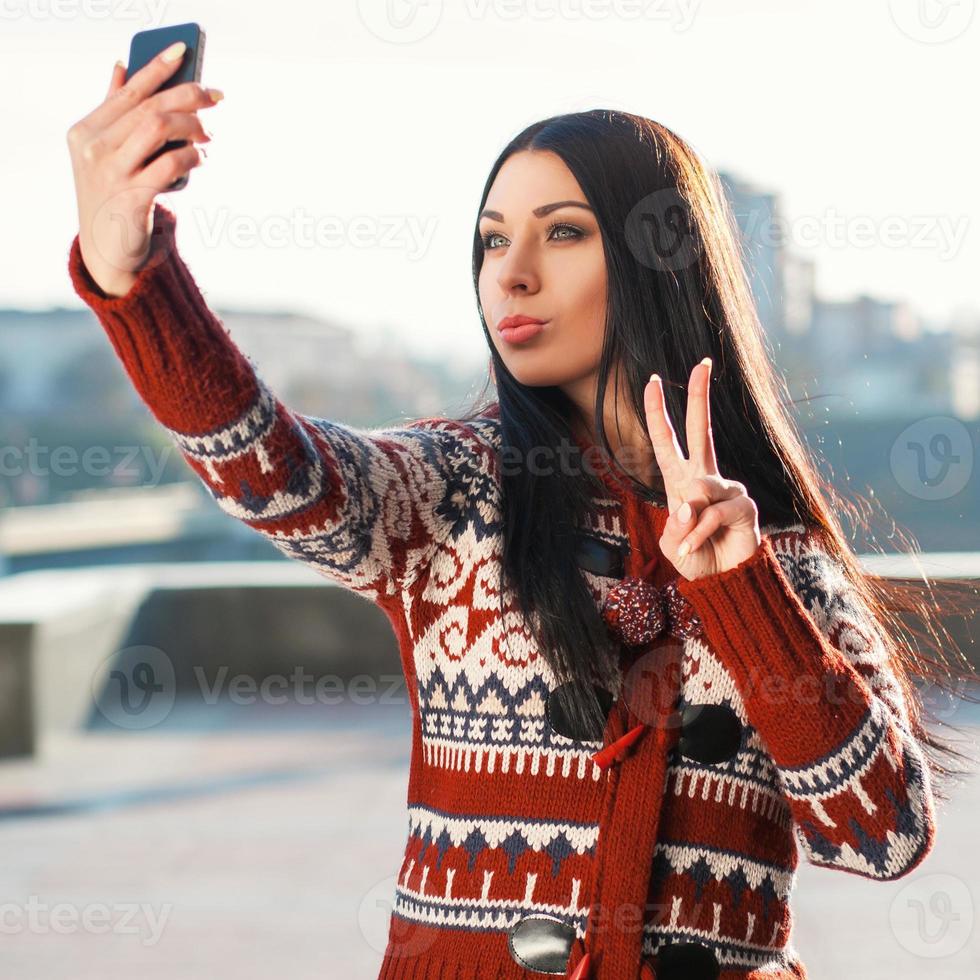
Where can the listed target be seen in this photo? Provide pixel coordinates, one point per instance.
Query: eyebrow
(537, 212)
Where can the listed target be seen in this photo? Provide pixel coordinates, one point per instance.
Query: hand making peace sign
(713, 523)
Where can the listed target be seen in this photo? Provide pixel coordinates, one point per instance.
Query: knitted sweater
(663, 847)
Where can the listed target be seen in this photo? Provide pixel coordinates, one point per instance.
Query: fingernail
(175, 51)
(684, 512)
(706, 360)
(683, 549)
(215, 94)
(654, 377)
(120, 64)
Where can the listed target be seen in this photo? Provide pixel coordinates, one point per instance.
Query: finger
(700, 495)
(684, 518)
(170, 165)
(700, 443)
(187, 97)
(132, 92)
(665, 445)
(157, 130)
(117, 79)
(720, 514)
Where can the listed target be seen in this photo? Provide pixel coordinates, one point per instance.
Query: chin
(537, 375)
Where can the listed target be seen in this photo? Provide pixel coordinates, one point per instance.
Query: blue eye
(490, 235)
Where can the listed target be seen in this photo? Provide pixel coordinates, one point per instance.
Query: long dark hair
(677, 290)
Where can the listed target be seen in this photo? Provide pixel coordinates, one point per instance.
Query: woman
(643, 664)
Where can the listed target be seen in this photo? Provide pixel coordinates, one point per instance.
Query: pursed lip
(517, 321)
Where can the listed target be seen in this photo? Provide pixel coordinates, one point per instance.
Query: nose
(516, 270)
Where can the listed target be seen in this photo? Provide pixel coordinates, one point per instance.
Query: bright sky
(855, 113)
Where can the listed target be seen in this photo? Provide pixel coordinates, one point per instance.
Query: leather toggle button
(600, 557)
(687, 961)
(710, 733)
(561, 721)
(542, 943)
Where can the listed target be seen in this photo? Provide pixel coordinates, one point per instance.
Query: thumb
(118, 78)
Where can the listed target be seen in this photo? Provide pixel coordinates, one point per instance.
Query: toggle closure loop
(617, 751)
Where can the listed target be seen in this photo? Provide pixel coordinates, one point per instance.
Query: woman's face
(557, 274)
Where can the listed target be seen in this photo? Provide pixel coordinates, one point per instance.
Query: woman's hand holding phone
(115, 193)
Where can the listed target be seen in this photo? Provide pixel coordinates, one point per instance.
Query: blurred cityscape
(887, 402)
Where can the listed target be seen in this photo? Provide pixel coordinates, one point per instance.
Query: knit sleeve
(814, 676)
(364, 508)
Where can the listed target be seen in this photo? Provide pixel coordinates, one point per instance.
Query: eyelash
(487, 247)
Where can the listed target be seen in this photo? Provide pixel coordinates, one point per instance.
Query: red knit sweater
(763, 717)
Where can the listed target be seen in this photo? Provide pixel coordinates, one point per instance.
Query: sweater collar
(613, 477)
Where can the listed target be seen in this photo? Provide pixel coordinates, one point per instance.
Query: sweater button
(709, 733)
(600, 557)
(542, 943)
(687, 961)
(561, 721)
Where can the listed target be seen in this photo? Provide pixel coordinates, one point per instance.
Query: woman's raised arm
(364, 508)
(367, 509)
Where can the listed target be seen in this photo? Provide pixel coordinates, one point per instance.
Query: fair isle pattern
(889, 818)
(505, 815)
(490, 728)
(481, 683)
(419, 475)
(831, 602)
(447, 875)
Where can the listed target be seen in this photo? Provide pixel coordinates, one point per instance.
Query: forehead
(528, 180)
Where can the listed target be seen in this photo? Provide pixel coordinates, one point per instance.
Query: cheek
(487, 287)
(585, 299)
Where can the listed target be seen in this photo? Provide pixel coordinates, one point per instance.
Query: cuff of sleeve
(163, 246)
(799, 691)
(179, 356)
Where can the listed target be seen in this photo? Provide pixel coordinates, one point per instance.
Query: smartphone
(146, 45)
